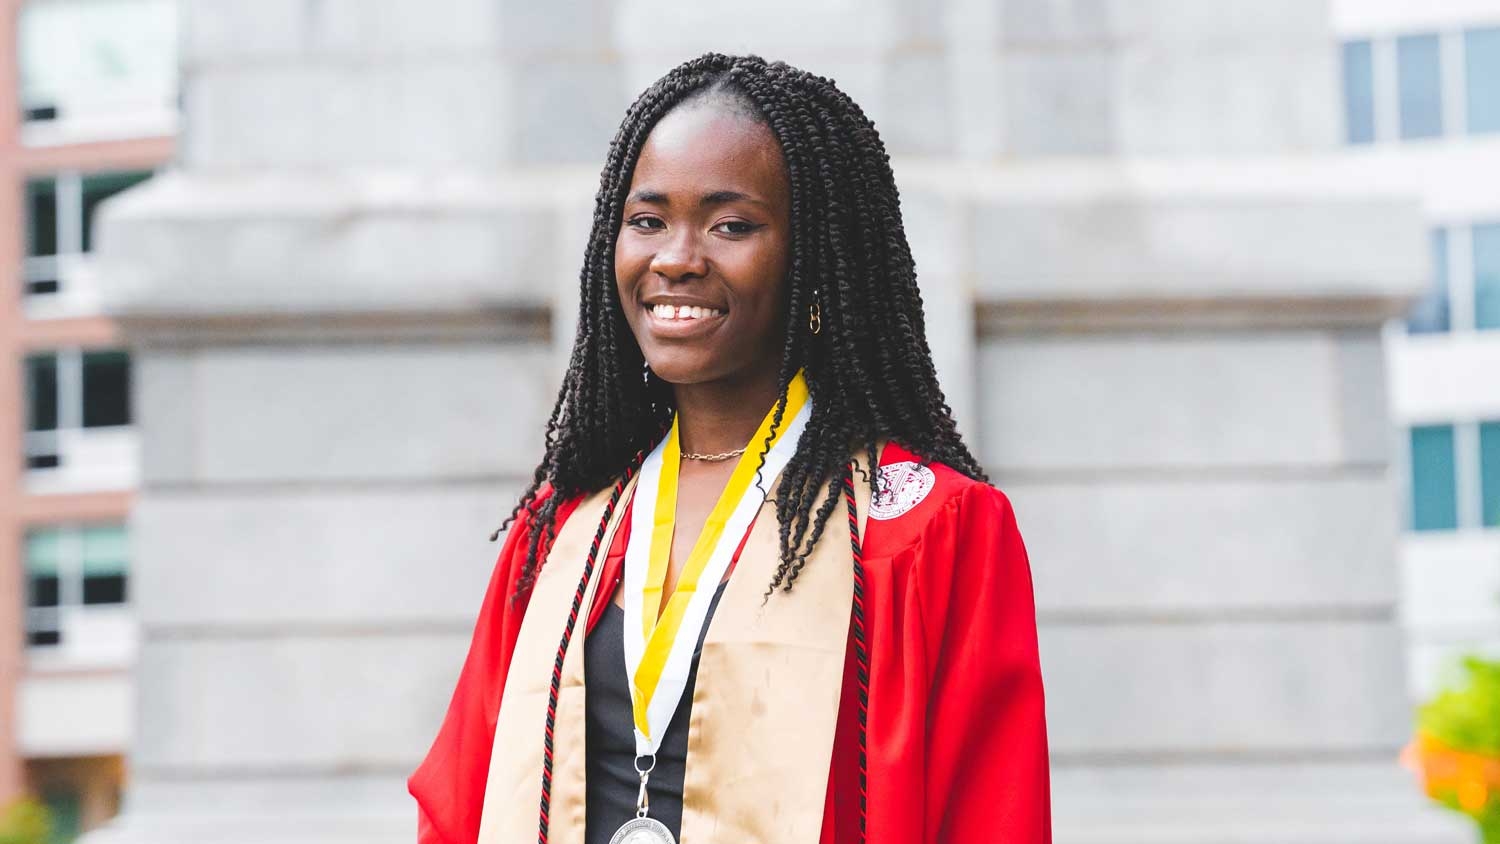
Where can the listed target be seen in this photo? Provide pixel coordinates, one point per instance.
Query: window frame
(1454, 66)
(1469, 477)
(72, 242)
(72, 399)
(1461, 285)
(71, 576)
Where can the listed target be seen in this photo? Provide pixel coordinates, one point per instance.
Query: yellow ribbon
(661, 624)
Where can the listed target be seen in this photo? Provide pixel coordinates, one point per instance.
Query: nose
(680, 256)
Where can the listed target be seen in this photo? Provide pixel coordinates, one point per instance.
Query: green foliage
(25, 821)
(1467, 715)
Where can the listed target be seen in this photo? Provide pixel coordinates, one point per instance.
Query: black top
(610, 741)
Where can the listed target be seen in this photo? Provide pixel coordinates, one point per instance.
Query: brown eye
(737, 227)
(645, 223)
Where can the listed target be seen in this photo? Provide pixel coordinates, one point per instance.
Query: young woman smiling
(750, 344)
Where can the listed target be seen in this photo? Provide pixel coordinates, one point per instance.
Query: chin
(680, 366)
(676, 372)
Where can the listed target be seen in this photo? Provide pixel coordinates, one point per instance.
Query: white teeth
(683, 312)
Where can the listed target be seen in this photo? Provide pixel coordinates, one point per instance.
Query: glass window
(41, 217)
(98, 187)
(1434, 494)
(105, 553)
(1482, 78)
(1420, 86)
(106, 389)
(1489, 473)
(43, 565)
(41, 392)
(1359, 93)
(1430, 313)
(97, 60)
(1487, 276)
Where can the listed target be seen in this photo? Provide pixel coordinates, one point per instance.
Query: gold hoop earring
(814, 318)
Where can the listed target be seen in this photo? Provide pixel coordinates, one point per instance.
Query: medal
(641, 829)
(660, 639)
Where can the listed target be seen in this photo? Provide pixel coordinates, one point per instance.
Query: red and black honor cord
(861, 652)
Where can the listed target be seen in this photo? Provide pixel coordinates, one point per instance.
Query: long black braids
(869, 369)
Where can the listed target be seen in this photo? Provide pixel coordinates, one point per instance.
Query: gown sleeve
(986, 761)
(449, 783)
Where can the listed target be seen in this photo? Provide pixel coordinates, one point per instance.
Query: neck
(719, 416)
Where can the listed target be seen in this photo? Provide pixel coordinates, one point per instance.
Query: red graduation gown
(957, 731)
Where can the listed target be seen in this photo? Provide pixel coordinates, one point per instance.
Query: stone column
(340, 303)
(1179, 288)
(1154, 291)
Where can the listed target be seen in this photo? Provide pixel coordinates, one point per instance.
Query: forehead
(703, 146)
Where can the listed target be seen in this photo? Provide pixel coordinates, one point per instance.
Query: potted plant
(1456, 750)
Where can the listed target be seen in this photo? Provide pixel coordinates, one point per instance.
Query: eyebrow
(717, 197)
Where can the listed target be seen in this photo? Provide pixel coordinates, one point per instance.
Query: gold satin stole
(764, 709)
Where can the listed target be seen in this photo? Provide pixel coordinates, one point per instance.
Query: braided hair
(869, 369)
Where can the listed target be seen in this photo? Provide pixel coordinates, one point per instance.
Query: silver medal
(643, 831)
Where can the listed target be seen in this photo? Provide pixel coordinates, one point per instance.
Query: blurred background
(1213, 286)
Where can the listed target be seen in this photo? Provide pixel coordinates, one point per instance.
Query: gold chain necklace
(713, 458)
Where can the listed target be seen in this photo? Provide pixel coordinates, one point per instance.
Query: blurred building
(1422, 106)
(89, 100)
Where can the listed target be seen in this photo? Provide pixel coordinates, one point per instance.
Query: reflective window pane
(105, 559)
(1430, 313)
(43, 550)
(41, 392)
(106, 389)
(1420, 86)
(105, 549)
(1359, 93)
(41, 217)
(1487, 276)
(1434, 498)
(43, 563)
(99, 187)
(1482, 78)
(1489, 473)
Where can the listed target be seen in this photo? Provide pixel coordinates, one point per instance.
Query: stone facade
(1153, 293)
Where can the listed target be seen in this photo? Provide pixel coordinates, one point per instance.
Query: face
(701, 258)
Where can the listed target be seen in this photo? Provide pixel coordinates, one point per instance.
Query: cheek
(627, 270)
(768, 271)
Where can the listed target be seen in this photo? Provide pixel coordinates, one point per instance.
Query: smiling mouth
(682, 313)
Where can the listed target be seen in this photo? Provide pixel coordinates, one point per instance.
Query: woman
(749, 324)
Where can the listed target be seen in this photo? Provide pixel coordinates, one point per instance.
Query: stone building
(1156, 285)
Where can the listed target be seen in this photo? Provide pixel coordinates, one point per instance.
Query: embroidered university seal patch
(904, 485)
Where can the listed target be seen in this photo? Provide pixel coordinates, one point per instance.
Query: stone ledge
(1254, 231)
(253, 244)
(1304, 241)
